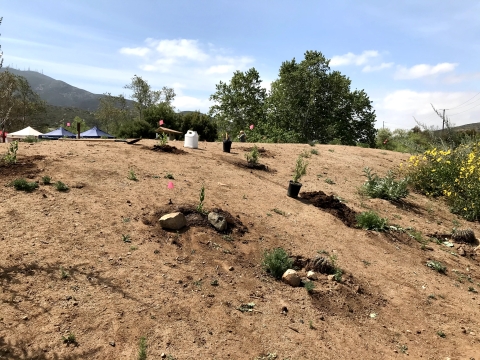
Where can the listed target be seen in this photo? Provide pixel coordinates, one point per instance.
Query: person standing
(242, 137)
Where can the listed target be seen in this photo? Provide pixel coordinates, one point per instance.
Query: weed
(365, 262)
(279, 212)
(323, 252)
(214, 282)
(202, 198)
(133, 248)
(311, 143)
(47, 180)
(384, 188)
(69, 339)
(253, 156)
(269, 356)
(142, 348)
(131, 175)
(126, 238)
(472, 289)
(432, 296)
(331, 150)
(60, 186)
(437, 266)
(329, 181)
(169, 176)
(403, 349)
(311, 326)
(276, 262)
(227, 237)
(244, 197)
(314, 152)
(441, 334)
(269, 214)
(337, 276)
(11, 156)
(300, 169)
(305, 154)
(197, 283)
(24, 185)
(126, 220)
(370, 220)
(64, 274)
(309, 286)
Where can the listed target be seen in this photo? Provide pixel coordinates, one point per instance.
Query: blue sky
(404, 54)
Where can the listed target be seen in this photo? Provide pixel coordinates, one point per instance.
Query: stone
(461, 251)
(331, 277)
(218, 221)
(291, 278)
(231, 268)
(173, 221)
(311, 275)
(112, 343)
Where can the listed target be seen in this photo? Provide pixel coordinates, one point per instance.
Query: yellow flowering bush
(454, 174)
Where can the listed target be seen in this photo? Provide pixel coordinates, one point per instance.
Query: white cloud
(352, 59)
(399, 108)
(370, 68)
(190, 103)
(178, 48)
(138, 51)
(423, 70)
(220, 69)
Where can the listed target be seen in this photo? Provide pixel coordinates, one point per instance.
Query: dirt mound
(168, 149)
(332, 205)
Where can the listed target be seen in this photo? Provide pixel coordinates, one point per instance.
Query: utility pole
(443, 122)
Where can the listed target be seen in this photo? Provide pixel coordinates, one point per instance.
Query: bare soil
(94, 262)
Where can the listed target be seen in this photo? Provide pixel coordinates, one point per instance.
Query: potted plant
(300, 170)
(227, 143)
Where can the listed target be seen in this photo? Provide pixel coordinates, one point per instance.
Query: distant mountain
(58, 93)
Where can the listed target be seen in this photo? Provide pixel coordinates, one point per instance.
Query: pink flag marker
(68, 124)
(170, 185)
(161, 122)
(251, 127)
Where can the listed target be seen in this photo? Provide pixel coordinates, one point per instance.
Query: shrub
(314, 151)
(253, 156)
(24, 185)
(47, 180)
(384, 188)
(201, 199)
(309, 286)
(300, 169)
(276, 262)
(162, 139)
(11, 156)
(69, 339)
(453, 173)
(437, 266)
(60, 186)
(370, 220)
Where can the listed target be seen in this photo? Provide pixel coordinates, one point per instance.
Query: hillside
(94, 262)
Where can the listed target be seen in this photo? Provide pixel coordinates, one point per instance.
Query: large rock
(291, 278)
(173, 221)
(218, 221)
(311, 275)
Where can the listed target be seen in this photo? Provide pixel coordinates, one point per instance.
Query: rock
(218, 221)
(112, 343)
(291, 278)
(461, 251)
(331, 277)
(231, 268)
(311, 275)
(173, 221)
(25, 317)
(163, 356)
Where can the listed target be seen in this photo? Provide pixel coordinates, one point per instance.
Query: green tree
(28, 102)
(112, 112)
(161, 111)
(317, 104)
(73, 125)
(203, 124)
(8, 87)
(240, 102)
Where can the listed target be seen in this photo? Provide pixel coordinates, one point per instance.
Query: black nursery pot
(293, 189)
(227, 145)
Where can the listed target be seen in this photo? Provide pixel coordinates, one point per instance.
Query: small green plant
(337, 276)
(300, 169)
(197, 283)
(69, 339)
(126, 219)
(331, 150)
(11, 156)
(47, 180)
(169, 176)
(384, 188)
(472, 289)
(329, 181)
(432, 296)
(131, 175)
(437, 266)
(314, 151)
(279, 212)
(142, 348)
(24, 185)
(403, 349)
(60, 186)
(214, 282)
(133, 248)
(370, 220)
(305, 154)
(227, 237)
(162, 139)
(309, 286)
(64, 274)
(441, 334)
(276, 262)
(126, 238)
(253, 156)
(201, 198)
(365, 262)
(311, 326)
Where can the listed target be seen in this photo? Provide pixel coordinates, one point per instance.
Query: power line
(464, 102)
(465, 110)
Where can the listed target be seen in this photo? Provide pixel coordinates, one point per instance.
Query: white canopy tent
(22, 134)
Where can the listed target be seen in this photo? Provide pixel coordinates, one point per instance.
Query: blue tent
(95, 133)
(57, 134)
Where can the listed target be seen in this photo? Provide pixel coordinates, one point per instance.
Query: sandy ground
(65, 268)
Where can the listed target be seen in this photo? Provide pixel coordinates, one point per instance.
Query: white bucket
(191, 139)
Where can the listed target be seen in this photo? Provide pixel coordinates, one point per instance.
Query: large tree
(317, 104)
(240, 102)
(28, 102)
(112, 111)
